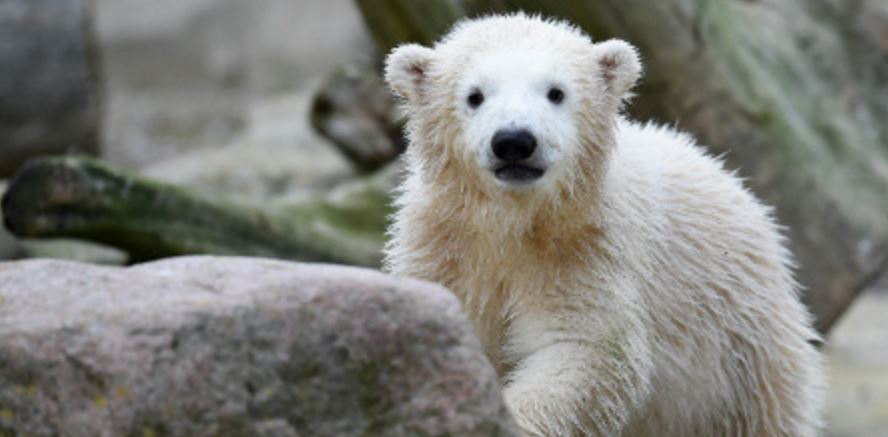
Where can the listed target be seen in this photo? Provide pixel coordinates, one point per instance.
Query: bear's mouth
(518, 173)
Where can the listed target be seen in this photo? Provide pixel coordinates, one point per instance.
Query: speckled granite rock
(206, 346)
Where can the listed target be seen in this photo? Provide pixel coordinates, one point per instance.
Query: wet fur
(643, 291)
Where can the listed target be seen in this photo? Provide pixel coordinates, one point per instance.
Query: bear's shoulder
(656, 151)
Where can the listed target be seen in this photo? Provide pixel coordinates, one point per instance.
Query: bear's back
(712, 268)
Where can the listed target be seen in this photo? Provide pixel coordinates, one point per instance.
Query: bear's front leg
(581, 387)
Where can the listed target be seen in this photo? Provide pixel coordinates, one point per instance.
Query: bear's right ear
(406, 69)
(618, 66)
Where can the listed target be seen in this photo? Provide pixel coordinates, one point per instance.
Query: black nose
(513, 145)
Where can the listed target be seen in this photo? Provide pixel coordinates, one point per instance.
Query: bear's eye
(555, 95)
(475, 99)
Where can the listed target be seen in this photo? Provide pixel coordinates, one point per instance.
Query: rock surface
(49, 93)
(205, 346)
(857, 360)
(354, 109)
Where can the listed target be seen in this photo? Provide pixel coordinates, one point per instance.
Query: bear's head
(516, 103)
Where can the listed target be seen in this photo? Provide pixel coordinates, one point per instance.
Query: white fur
(636, 289)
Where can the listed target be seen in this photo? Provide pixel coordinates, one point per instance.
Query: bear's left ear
(618, 65)
(406, 70)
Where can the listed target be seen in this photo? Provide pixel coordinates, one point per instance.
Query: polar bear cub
(621, 281)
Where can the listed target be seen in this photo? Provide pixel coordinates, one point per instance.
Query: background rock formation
(791, 93)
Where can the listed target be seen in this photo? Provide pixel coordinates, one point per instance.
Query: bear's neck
(493, 255)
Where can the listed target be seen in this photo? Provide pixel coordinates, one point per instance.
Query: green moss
(376, 407)
(84, 198)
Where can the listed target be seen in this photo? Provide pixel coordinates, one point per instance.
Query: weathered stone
(49, 93)
(857, 361)
(355, 111)
(207, 346)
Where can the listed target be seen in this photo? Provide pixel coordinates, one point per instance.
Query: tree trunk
(395, 21)
(78, 197)
(792, 93)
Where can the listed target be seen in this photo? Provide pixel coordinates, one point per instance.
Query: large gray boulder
(49, 92)
(206, 346)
